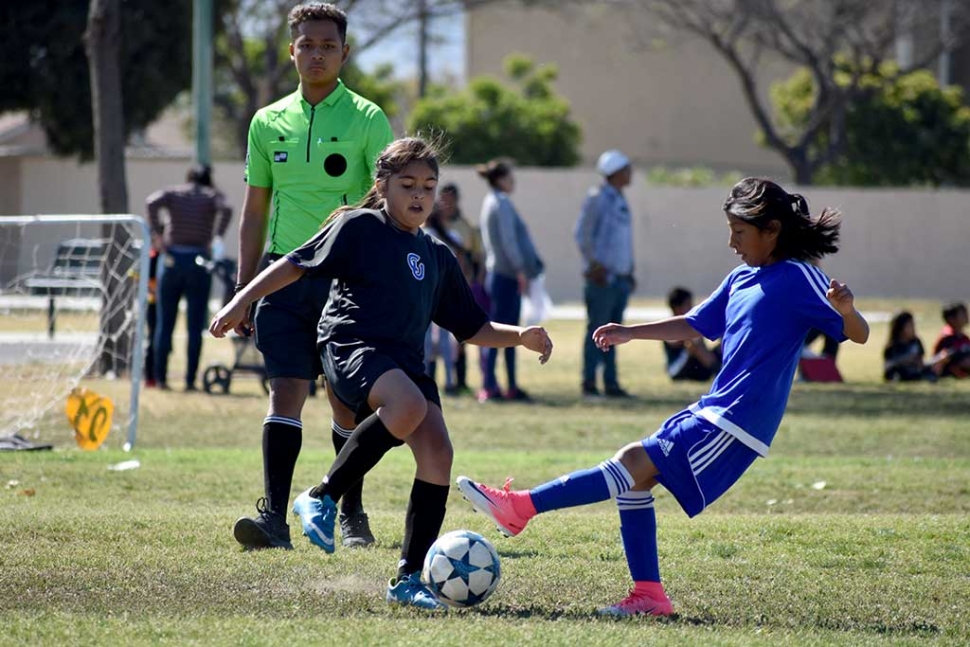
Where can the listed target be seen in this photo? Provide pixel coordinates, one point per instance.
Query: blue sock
(638, 527)
(607, 480)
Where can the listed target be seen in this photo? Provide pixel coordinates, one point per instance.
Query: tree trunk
(802, 169)
(422, 48)
(103, 46)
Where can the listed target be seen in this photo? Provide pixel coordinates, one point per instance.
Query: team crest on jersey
(279, 156)
(417, 267)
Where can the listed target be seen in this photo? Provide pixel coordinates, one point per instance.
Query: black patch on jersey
(279, 156)
(335, 165)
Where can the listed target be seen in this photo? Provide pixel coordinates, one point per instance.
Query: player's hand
(233, 316)
(611, 335)
(841, 297)
(536, 339)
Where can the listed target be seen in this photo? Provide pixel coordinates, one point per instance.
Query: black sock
(282, 439)
(352, 500)
(426, 513)
(461, 369)
(362, 451)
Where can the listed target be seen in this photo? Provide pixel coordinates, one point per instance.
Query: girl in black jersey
(390, 281)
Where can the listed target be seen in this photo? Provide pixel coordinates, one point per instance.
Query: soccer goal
(73, 292)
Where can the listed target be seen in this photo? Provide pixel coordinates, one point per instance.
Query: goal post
(73, 295)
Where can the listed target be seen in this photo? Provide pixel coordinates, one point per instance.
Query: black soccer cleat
(268, 530)
(355, 530)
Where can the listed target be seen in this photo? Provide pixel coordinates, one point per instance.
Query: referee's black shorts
(286, 327)
(352, 369)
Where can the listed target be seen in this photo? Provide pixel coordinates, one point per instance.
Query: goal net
(73, 293)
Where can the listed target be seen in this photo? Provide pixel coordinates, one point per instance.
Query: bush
(528, 122)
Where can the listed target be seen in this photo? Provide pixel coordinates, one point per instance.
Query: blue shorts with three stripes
(697, 460)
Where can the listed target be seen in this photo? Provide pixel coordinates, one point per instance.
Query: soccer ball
(462, 568)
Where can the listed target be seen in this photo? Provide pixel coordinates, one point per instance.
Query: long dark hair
(758, 201)
(494, 170)
(392, 160)
(896, 325)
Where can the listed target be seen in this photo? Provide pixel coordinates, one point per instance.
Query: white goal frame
(141, 296)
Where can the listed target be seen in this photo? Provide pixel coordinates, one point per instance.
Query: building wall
(895, 243)
(673, 103)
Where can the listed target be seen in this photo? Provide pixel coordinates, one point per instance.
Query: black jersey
(388, 286)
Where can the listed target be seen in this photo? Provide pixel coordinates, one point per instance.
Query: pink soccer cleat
(641, 603)
(509, 510)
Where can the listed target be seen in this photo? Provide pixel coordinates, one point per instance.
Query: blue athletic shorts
(352, 369)
(286, 328)
(697, 461)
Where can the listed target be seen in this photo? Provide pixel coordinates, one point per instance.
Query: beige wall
(896, 243)
(677, 104)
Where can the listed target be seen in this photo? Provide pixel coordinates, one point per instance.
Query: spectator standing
(196, 212)
(472, 262)
(604, 234)
(511, 261)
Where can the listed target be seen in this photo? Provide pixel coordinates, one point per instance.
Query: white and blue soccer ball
(462, 568)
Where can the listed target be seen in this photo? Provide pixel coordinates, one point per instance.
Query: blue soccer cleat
(412, 592)
(318, 517)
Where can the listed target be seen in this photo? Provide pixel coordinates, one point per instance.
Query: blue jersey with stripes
(762, 315)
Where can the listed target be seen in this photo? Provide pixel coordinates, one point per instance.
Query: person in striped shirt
(761, 311)
(185, 220)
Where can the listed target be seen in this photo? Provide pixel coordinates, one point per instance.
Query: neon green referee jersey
(314, 158)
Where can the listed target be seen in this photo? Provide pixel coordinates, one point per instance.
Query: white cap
(610, 162)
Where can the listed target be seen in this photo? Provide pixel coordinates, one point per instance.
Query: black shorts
(351, 371)
(286, 328)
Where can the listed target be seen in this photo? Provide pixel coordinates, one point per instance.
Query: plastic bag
(536, 304)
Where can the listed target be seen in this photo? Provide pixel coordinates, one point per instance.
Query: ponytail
(758, 201)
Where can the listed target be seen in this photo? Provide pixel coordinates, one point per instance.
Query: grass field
(855, 531)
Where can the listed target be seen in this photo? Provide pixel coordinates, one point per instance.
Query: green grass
(879, 555)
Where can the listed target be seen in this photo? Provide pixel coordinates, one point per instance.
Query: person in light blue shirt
(604, 234)
(762, 312)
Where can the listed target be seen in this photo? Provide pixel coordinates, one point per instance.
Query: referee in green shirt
(308, 154)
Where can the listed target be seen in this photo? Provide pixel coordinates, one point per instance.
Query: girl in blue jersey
(762, 312)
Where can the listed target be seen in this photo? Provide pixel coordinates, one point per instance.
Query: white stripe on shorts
(700, 460)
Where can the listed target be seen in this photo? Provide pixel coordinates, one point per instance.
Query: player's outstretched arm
(672, 329)
(855, 326)
(496, 335)
(235, 314)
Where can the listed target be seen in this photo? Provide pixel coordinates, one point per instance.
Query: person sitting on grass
(689, 359)
(952, 348)
(762, 311)
(903, 355)
(390, 281)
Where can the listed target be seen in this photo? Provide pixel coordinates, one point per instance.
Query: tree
(253, 67)
(807, 33)
(102, 41)
(903, 130)
(45, 68)
(529, 123)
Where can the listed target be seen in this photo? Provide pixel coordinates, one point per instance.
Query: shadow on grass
(834, 399)
(536, 612)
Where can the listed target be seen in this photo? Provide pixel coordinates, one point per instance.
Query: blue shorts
(286, 328)
(697, 460)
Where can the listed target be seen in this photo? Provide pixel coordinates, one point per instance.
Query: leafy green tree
(900, 130)
(45, 67)
(528, 122)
